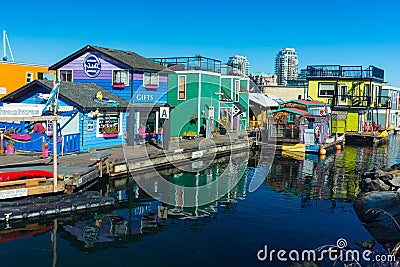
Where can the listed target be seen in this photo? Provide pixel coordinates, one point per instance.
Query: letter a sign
(164, 112)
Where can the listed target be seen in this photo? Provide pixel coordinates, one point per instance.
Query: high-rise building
(239, 64)
(286, 65)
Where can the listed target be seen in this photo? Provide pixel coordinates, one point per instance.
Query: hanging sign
(164, 112)
(211, 113)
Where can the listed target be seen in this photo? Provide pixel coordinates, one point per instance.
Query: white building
(392, 93)
(286, 65)
(239, 64)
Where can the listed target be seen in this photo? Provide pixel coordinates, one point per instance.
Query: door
(343, 94)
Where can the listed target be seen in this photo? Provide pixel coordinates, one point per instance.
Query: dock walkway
(81, 170)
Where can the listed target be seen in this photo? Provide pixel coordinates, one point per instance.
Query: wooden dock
(77, 172)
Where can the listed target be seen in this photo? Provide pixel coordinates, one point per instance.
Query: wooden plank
(100, 156)
(27, 182)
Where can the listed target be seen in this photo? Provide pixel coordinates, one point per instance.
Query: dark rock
(395, 181)
(380, 211)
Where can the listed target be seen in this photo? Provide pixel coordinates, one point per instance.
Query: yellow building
(352, 93)
(15, 75)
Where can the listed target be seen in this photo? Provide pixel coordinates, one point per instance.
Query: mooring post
(55, 175)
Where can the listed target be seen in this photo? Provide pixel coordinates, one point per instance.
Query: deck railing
(338, 71)
(361, 101)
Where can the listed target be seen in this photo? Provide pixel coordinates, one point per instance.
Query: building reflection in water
(138, 214)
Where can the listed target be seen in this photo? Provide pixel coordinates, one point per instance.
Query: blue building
(86, 121)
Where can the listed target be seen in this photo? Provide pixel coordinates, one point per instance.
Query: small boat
(12, 176)
(294, 148)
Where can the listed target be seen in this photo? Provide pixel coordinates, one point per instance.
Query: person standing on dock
(317, 134)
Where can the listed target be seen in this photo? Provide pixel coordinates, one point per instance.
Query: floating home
(204, 92)
(300, 122)
(86, 121)
(353, 93)
(132, 77)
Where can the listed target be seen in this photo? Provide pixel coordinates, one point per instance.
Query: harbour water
(302, 205)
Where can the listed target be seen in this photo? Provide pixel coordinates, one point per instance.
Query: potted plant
(160, 130)
(109, 131)
(224, 125)
(10, 147)
(45, 151)
(142, 129)
(215, 132)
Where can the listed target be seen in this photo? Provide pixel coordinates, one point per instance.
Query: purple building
(125, 74)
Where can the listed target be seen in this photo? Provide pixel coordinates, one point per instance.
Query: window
(343, 93)
(237, 88)
(45, 76)
(290, 117)
(366, 90)
(66, 75)
(326, 89)
(120, 77)
(107, 124)
(150, 79)
(29, 77)
(181, 87)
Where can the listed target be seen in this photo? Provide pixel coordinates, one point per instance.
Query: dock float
(52, 206)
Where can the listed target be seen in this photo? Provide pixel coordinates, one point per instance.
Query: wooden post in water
(2, 144)
(55, 243)
(55, 175)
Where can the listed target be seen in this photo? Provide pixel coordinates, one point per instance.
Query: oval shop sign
(92, 65)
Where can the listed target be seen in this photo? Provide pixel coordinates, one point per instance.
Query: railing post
(2, 144)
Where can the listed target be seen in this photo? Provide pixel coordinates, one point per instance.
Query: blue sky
(322, 32)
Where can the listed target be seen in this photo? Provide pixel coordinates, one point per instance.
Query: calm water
(301, 205)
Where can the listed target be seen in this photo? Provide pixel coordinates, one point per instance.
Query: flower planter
(10, 150)
(151, 87)
(118, 86)
(46, 153)
(110, 135)
(142, 130)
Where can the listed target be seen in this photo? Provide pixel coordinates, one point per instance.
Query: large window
(182, 88)
(108, 124)
(66, 75)
(326, 89)
(150, 79)
(121, 77)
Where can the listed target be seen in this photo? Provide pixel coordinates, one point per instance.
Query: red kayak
(12, 176)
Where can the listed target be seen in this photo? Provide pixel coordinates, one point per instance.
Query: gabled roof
(128, 58)
(293, 110)
(263, 100)
(312, 102)
(80, 94)
(306, 102)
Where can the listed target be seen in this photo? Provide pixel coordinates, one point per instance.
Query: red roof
(311, 102)
(297, 110)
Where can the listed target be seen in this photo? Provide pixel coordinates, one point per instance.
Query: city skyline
(45, 33)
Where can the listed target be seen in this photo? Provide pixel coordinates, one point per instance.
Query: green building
(204, 93)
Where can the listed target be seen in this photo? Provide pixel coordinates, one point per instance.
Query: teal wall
(244, 100)
(185, 116)
(226, 83)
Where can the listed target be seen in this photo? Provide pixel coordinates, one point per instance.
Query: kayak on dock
(12, 176)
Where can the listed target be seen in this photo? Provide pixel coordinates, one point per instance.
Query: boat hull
(12, 176)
